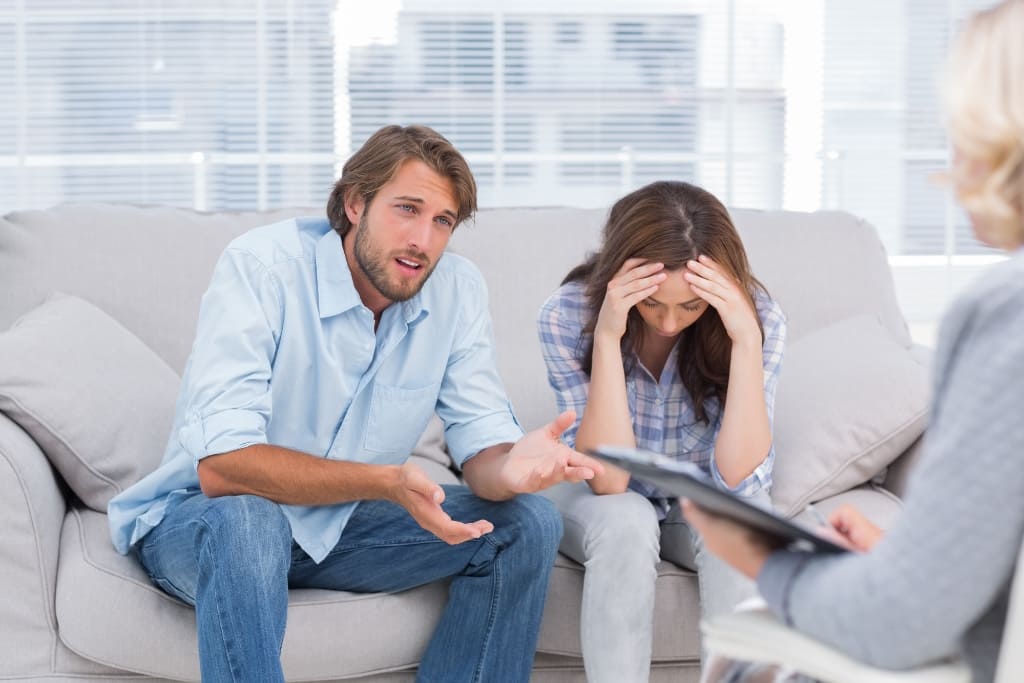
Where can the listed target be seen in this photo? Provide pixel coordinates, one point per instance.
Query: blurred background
(231, 104)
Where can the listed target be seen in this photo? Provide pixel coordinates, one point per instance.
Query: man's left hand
(540, 459)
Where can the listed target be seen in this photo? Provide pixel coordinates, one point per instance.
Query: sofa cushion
(97, 401)
(850, 400)
(103, 599)
(881, 507)
(110, 612)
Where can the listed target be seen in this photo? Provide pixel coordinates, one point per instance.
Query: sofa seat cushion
(110, 612)
(880, 506)
(676, 613)
(96, 399)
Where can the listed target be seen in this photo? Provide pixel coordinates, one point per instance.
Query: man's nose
(420, 233)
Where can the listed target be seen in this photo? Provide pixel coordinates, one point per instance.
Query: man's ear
(354, 206)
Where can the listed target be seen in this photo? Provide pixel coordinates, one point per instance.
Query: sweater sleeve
(951, 557)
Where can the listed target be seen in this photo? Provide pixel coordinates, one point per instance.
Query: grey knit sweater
(937, 583)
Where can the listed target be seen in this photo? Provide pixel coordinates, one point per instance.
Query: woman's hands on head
(636, 280)
(711, 282)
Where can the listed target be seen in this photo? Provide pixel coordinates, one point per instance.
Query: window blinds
(801, 104)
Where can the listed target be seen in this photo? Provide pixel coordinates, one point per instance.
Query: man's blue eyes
(409, 208)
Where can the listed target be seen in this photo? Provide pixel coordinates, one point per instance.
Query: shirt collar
(336, 293)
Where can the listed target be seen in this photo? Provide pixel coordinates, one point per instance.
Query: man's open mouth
(409, 263)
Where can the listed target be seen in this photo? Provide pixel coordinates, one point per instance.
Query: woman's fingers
(637, 280)
(636, 268)
(635, 297)
(633, 263)
(709, 282)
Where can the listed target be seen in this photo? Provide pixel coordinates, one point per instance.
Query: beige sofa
(83, 415)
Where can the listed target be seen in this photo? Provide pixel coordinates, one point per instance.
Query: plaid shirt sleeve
(559, 326)
(773, 320)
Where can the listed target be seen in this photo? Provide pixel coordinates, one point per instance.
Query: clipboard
(686, 480)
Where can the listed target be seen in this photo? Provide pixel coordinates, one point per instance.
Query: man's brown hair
(379, 159)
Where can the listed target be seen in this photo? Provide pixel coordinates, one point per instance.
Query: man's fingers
(482, 525)
(575, 474)
(436, 521)
(454, 532)
(579, 460)
(561, 423)
(416, 480)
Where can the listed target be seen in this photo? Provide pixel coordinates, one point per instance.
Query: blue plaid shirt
(663, 415)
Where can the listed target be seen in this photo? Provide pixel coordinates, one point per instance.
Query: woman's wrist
(748, 343)
(608, 345)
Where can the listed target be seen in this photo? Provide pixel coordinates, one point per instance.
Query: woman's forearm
(745, 437)
(606, 419)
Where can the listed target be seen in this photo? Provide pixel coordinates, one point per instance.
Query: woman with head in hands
(663, 339)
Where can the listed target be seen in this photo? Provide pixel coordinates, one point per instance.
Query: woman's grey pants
(619, 540)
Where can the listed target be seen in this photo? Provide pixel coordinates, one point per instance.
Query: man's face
(397, 239)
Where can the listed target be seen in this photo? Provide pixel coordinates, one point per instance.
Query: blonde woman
(937, 583)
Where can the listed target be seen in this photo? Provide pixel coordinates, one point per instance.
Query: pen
(818, 517)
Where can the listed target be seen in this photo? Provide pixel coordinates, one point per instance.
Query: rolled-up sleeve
(227, 389)
(773, 321)
(472, 400)
(559, 333)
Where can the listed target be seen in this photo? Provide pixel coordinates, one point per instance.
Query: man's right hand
(422, 498)
(635, 281)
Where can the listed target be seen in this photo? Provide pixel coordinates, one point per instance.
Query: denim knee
(539, 523)
(249, 532)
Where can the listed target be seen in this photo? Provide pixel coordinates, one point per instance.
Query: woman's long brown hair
(671, 223)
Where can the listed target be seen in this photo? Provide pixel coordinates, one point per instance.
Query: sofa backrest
(822, 267)
(148, 267)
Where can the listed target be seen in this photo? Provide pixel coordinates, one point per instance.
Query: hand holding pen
(848, 527)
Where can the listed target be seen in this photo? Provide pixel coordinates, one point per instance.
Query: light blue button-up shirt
(286, 354)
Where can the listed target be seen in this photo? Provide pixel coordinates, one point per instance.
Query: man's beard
(373, 262)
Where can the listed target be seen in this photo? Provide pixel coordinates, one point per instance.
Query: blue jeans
(233, 559)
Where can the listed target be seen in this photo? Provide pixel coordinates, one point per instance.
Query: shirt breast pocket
(398, 416)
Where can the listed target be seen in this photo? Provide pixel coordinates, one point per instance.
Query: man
(323, 348)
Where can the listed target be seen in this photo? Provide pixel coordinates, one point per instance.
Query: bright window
(799, 104)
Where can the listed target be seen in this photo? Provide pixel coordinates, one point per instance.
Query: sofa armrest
(32, 509)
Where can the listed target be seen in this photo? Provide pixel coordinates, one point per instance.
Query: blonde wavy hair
(984, 98)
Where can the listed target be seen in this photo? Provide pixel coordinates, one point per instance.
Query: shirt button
(658, 401)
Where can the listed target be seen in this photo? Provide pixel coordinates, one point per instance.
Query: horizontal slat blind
(224, 106)
(800, 104)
